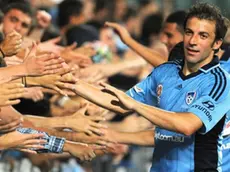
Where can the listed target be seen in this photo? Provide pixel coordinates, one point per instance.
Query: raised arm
(43, 20)
(111, 69)
(151, 56)
(32, 66)
(50, 81)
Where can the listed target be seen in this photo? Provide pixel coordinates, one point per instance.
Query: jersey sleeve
(210, 109)
(144, 91)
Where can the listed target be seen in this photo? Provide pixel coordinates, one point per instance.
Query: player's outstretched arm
(185, 122)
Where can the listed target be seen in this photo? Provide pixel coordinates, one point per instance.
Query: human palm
(88, 124)
(122, 31)
(10, 93)
(124, 99)
(17, 140)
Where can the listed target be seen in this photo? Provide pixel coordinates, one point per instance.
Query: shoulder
(165, 70)
(219, 74)
(218, 83)
(171, 65)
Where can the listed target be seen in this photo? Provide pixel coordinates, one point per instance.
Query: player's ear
(217, 44)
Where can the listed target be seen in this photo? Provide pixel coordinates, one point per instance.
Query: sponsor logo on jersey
(138, 89)
(190, 96)
(203, 109)
(169, 138)
(159, 92)
(208, 104)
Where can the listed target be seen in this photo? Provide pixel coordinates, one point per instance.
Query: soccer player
(196, 93)
(191, 99)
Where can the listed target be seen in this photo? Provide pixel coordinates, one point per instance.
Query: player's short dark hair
(177, 17)
(205, 11)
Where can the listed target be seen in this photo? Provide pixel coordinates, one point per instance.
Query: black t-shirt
(177, 53)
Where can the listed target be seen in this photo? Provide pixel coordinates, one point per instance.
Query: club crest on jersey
(159, 92)
(190, 96)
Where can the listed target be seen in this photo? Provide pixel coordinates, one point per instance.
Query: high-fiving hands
(82, 123)
(123, 99)
(43, 64)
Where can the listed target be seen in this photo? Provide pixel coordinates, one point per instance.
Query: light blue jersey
(205, 94)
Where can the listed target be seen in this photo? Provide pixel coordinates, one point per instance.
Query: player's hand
(123, 99)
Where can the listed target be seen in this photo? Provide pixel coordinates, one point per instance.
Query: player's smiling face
(199, 41)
